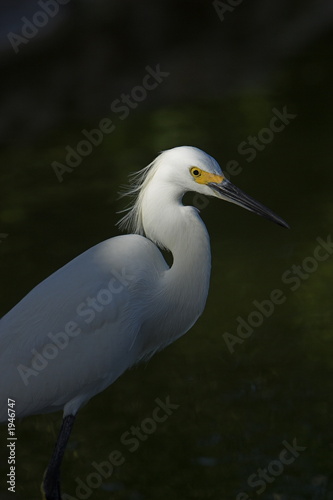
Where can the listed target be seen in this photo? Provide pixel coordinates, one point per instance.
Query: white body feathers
(119, 302)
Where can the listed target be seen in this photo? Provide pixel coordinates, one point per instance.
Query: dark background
(226, 77)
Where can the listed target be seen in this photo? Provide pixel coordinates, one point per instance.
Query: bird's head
(177, 171)
(191, 169)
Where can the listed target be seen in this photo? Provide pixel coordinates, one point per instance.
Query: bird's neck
(188, 277)
(185, 284)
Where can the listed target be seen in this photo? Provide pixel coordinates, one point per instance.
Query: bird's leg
(51, 482)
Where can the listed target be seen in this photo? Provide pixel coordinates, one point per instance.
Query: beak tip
(280, 221)
(228, 191)
(285, 225)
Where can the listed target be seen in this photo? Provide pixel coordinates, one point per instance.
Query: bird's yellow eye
(195, 172)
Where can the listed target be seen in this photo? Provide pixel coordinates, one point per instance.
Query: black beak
(227, 191)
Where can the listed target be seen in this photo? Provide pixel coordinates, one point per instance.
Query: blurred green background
(226, 78)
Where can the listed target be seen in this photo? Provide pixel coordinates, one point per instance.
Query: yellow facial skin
(202, 177)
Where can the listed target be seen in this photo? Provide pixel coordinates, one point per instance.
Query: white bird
(117, 303)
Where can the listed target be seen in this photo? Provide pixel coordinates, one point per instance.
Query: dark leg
(51, 482)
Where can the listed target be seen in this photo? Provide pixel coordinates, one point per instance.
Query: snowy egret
(117, 303)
